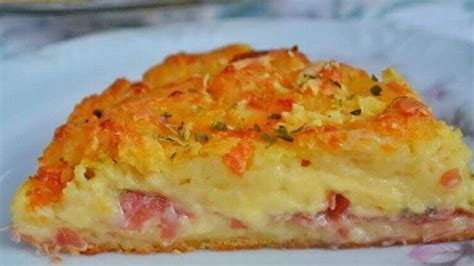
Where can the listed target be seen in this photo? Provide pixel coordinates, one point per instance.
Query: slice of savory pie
(244, 149)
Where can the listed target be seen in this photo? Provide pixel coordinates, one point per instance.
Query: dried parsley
(282, 132)
(173, 155)
(336, 83)
(298, 129)
(406, 211)
(431, 209)
(168, 139)
(376, 90)
(167, 114)
(356, 112)
(97, 113)
(184, 131)
(257, 127)
(275, 116)
(201, 137)
(219, 126)
(268, 138)
(305, 79)
(409, 213)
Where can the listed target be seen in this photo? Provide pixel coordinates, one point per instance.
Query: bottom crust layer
(186, 246)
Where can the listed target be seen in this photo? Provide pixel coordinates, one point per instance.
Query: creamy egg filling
(214, 203)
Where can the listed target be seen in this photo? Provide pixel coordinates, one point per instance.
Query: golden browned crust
(212, 82)
(186, 246)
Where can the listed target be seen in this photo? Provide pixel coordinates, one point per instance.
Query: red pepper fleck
(287, 104)
(305, 163)
(175, 94)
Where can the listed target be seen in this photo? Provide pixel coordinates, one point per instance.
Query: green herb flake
(283, 133)
(305, 79)
(406, 211)
(268, 138)
(168, 139)
(257, 128)
(219, 126)
(298, 129)
(184, 131)
(409, 213)
(431, 209)
(201, 137)
(275, 116)
(167, 114)
(356, 112)
(171, 129)
(376, 90)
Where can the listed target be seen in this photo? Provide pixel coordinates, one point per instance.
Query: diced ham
(338, 204)
(433, 226)
(68, 238)
(139, 209)
(303, 219)
(168, 224)
(307, 220)
(235, 223)
(440, 229)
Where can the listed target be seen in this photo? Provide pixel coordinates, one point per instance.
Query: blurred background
(29, 25)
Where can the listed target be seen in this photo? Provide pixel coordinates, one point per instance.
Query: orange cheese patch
(238, 158)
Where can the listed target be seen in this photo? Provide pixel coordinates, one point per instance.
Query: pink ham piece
(140, 209)
(338, 204)
(438, 229)
(235, 223)
(68, 238)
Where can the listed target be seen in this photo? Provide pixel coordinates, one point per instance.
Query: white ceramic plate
(40, 89)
